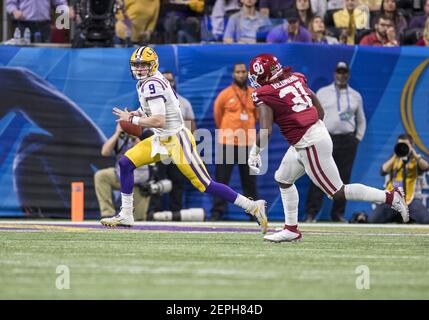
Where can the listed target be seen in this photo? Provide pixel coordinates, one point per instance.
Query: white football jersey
(156, 87)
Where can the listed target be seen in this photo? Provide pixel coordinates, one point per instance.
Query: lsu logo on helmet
(143, 62)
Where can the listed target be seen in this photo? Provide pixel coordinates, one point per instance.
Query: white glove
(254, 161)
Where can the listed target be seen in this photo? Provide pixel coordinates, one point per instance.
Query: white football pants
(316, 161)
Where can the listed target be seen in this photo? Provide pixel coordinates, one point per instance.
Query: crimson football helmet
(263, 69)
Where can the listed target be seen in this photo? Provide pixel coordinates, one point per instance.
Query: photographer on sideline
(402, 170)
(107, 180)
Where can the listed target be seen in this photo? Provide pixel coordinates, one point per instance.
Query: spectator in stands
(419, 21)
(289, 31)
(388, 9)
(235, 116)
(349, 20)
(33, 14)
(243, 25)
(181, 20)
(136, 19)
(303, 7)
(222, 10)
(107, 180)
(345, 121)
(318, 32)
(276, 8)
(403, 169)
(384, 34)
(424, 41)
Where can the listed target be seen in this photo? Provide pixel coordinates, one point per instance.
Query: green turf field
(138, 264)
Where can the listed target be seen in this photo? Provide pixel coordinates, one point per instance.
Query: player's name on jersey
(288, 80)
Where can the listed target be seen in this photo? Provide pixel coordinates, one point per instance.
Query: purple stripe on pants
(188, 159)
(194, 156)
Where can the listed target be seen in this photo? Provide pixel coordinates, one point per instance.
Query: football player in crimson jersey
(283, 97)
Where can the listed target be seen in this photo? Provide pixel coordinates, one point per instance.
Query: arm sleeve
(360, 120)
(157, 106)
(11, 5)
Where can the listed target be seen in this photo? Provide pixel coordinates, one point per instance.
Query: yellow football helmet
(143, 63)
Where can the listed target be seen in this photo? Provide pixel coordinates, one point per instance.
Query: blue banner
(81, 86)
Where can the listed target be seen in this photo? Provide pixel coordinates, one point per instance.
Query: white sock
(290, 200)
(360, 192)
(127, 203)
(244, 202)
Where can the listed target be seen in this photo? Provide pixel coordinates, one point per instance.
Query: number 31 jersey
(157, 87)
(290, 100)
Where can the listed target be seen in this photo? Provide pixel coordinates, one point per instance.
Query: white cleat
(399, 204)
(284, 236)
(118, 221)
(259, 213)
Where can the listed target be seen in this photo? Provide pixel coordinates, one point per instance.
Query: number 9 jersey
(290, 100)
(157, 87)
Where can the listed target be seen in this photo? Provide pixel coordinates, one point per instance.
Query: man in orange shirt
(235, 117)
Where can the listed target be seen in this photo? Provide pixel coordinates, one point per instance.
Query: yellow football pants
(182, 150)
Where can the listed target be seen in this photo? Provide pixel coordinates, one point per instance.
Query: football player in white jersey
(160, 111)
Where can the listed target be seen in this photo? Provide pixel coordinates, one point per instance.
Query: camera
(402, 150)
(157, 187)
(96, 26)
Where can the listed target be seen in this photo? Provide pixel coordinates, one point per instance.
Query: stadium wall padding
(55, 113)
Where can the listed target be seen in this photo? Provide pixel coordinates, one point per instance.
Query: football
(131, 129)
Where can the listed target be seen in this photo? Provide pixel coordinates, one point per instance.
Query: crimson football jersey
(290, 100)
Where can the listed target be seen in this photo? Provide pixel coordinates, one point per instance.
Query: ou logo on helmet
(406, 105)
(258, 68)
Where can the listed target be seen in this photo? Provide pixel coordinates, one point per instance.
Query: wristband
(135, 120)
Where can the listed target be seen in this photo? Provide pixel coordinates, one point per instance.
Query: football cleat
(258, 212)
(285, 235)
(399, 204)
(124, 220)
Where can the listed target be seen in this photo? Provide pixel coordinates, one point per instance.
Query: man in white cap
(345, 121)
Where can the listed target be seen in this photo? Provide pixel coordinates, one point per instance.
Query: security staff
(345, 120)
